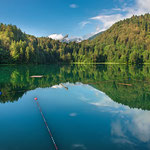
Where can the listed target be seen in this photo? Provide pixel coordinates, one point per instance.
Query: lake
(86, 107)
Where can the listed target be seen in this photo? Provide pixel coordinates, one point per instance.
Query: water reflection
(16, 80)
(128, 126)
(81, 118)
(137, 122)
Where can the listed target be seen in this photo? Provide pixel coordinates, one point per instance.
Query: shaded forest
(127, 41)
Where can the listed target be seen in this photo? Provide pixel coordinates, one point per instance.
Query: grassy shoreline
(100, 63)
(107, 63)
(84, 63)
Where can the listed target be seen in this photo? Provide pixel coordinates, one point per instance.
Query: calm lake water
(105, 107)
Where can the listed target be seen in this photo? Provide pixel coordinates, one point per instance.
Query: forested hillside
(18, 47)
(127, 41)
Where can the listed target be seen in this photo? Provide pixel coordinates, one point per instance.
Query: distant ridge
(94, 36)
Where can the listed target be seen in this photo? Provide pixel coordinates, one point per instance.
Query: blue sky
(74, 17)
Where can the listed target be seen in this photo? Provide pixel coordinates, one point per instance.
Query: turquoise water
(96, 112)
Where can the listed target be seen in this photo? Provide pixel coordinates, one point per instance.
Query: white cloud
(84, 23)
(140, 126)
(73, 114)
(57, 87)
(123, 141)
(144, 5)
(56, 36)
(79, 146)
(116, 9)
(107, 20)
(73, 6)
(137, 124)
(117, 129)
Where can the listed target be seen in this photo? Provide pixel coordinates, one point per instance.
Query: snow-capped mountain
(68, 39)
(65, 38)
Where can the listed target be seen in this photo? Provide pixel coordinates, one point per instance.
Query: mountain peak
(65, 38)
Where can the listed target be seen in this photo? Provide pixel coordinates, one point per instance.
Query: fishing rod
(49, 131)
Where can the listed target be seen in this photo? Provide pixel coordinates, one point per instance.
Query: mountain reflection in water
(96, 112)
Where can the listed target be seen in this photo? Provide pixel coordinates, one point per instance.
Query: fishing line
(49, 131)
